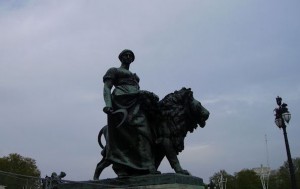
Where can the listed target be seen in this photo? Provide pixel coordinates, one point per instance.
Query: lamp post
(282, 116)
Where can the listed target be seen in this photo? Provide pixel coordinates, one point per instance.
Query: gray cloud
(236, 56)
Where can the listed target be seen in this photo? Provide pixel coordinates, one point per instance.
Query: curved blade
(125, 114)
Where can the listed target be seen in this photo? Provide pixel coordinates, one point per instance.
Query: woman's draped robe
(129, 144)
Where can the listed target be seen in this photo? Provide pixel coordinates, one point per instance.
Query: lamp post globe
(286, 116)
(278, 122)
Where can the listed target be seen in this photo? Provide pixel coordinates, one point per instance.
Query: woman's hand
(108, 110)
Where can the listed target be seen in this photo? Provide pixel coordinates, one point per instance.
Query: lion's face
(198, 112)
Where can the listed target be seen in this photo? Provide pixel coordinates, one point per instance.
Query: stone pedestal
(162, 181)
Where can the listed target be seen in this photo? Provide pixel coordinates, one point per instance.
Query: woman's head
(126, 56)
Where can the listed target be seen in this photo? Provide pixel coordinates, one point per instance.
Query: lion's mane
(175, 109)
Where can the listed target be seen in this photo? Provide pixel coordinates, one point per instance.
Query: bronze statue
(141, 130)
(53, 181)
(129, 146)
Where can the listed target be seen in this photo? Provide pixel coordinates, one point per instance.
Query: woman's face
(127, 58)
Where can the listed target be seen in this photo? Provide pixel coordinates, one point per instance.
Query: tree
(281, 179)
(247, 179)
(19, 172)
(216, 178)
(296, 162)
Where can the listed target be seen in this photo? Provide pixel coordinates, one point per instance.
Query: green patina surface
(169, 180)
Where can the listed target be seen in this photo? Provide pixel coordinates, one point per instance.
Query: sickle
(125, 114)
(104, 129)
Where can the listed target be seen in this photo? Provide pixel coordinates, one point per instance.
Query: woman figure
(129, 140)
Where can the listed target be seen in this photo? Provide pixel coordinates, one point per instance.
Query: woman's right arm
(107, 96)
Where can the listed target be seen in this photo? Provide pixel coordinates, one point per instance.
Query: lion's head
(183, 114)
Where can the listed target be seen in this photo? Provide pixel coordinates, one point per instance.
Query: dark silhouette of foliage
(280, 179)
(248, 179)
(230, 182)
(13, 167)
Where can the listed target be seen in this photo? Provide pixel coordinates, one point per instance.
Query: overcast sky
(237, 56)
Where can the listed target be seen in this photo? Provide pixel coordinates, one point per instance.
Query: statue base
(160, 181)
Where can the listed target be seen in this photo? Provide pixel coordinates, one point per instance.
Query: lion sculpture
(175, 115)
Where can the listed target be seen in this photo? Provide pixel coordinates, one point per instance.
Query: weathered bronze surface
(170, 180)
(141, 130)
